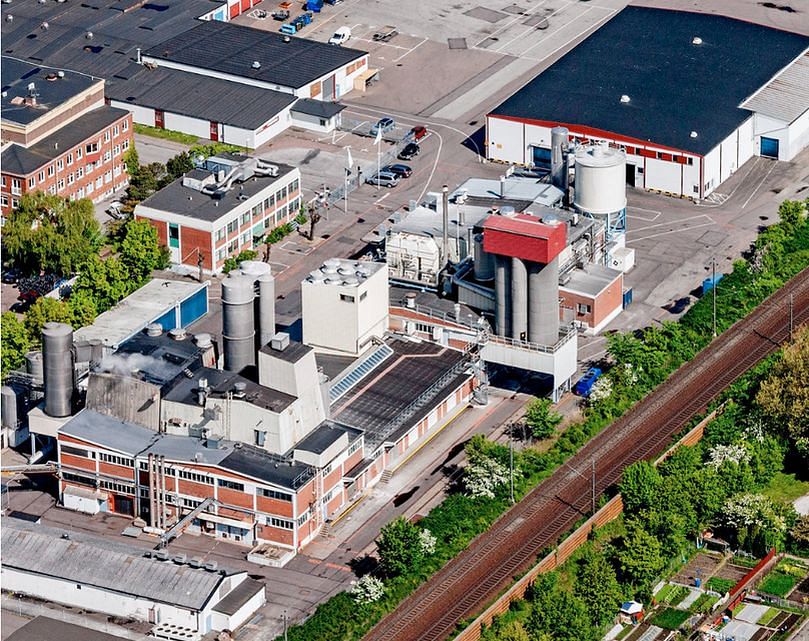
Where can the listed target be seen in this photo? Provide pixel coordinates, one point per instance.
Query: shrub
(367, 590)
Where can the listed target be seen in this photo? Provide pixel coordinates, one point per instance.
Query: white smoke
(130, 364)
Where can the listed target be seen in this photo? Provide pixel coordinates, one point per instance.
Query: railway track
(469, 582)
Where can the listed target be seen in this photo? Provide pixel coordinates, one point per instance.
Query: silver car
(383, 179)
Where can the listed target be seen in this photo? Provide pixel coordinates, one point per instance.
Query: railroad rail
(469, 582)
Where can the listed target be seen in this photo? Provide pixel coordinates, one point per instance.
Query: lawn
(663, 593)
(786, 488)
(718, 584)
(670, 618)
(768, 616)
(677, 595)
(778, 583)
(166, 134)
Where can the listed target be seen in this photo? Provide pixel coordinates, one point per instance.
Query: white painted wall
(221, 621)
(504, 140)
(140, 115)
(312, 123)
(92, 598)
(186, 124)
(792, 138)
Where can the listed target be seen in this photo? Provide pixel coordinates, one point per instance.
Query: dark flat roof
(294, 352)
(47, 629)
(255, 462)
(21, 161)
(324, 436)
(240, 595)
(229, 48)
(674, 86)
(185, 201)
(197, 96)
(374, 403)
(17, 75)
(319, 108)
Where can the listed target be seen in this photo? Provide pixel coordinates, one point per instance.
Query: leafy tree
(132, 161)
(141, 251)
(784, 395)
(145, 181)
(233, 262)
(597, 586)
(83, 310)
(45, 310)
(399, 547)
(15, 342)
(640, 487)
(105, 281)
(557, 612)
(799, 532)
(541, 419)
(485, 473)
(640, 558)
(513, 631)
(756, 523)
(176, 167)
(791, 212)
(51, 233)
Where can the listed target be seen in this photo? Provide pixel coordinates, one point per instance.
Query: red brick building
(59, 137)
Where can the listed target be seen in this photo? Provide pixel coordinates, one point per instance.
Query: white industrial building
(345, 306)
(100, 575)
(718, 92)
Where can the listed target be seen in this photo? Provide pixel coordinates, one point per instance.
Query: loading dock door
(630, 174)
(769, 147)
(541, 157)
(328, 88)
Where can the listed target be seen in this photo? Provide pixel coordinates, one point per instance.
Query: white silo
(600, 186)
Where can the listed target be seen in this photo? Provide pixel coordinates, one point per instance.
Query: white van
(343, 34)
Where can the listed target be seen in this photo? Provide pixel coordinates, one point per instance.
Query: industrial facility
(721, 91)
(221, 208)
(184, 67)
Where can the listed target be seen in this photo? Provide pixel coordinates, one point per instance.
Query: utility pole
(511, 459)
(713, 287)
(285, 625)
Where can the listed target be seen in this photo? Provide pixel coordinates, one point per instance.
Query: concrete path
(802, 504)
(751, 613)
(692, 596)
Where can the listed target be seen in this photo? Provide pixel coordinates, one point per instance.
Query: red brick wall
(609, 300)
(276, 534)
(568, 307)
(305, 496)
(78, 462)
(118, 471)
(234, 497)
(192, 240)
(274, 506)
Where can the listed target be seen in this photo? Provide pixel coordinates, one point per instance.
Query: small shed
(631, 612)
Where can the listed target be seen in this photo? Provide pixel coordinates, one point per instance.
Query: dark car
(417, 133)
(10, 276)
(409, 152)
(21, 307)
(402, 171)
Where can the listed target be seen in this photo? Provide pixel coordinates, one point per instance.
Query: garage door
(769, 147)
(245, 5)
(234, 9)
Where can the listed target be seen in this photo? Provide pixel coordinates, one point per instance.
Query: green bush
(233, 262)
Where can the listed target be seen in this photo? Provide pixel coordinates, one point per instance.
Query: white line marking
(530, 29)
(673, 231)
(506, 25)
(671, 222)
(411, 50)
(761, 182)
(435, 164)
(379, 200)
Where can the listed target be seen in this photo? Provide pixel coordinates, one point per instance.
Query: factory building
(221, 208)
(731, 90)
(236, 85)
(58, 135)
(180, 597)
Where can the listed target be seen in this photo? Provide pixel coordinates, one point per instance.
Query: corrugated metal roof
(104, 564)
(524, 236)
(47, 629)
(786, 96)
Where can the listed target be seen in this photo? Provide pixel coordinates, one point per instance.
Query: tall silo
(600, 186)
(238, 322)
(57, 356)
(264, 287)
(35, 369)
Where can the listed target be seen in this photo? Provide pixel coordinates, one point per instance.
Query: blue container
(585, 383)
(627, 297)
(697, 582)
(709, 283)
(288, 29)
(314, 5)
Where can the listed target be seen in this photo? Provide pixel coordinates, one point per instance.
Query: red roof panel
(523, 236)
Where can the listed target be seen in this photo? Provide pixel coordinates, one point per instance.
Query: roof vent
(210, 566)
(89, 35)
(239, 389)
(256, 64)
(44, 26)
(154, 329)
(624, 99)
(60, 74)
(195, 562)
(66, 536)
(180, 559)
(694, 134)
(162, 555)
(9, 18)
(696, 40)
(177, 334)
(286, 38)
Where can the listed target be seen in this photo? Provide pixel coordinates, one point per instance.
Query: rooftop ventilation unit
(696, 40)
(180, 559)
(210, 566)
(694, 134)
(256, 64)
(161, 555)
(625, 99)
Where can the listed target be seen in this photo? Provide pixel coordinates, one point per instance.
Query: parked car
(410, 151)
(398, 170)
(385, 33)
(385, 125)
(332, 2)
(383, 179)
(10, 275)
(585, 384)
(417, 133)
(341, 36)
(116, 210)
(21, 307)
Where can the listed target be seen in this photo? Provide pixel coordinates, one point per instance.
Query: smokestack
(238, 322)
(502, 186)
(445, 224)
(57, 354)
(559, 165)
(266, 308)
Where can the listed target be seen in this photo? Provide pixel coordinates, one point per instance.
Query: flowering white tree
(601, 390)
(427, 541)
(755, 521)
(720, 454)
(367, 590)
(483, 475)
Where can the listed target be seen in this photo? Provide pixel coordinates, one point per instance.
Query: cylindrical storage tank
(154, 329)
(484, 262)
(8, 407)
(35, 369)
(519, 300)
(600, 186)
(266, 308)
(238, 322)
(502, 295)
(559, 136)
(254, 268)
(57, 356)
(96, 350)
(543, 302)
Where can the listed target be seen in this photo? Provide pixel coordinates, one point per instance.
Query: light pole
(511, 459)
(713, 287)
(592, 479)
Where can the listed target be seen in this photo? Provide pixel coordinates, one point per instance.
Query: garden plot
(801, 593)
(732, 572)
(701, 566)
